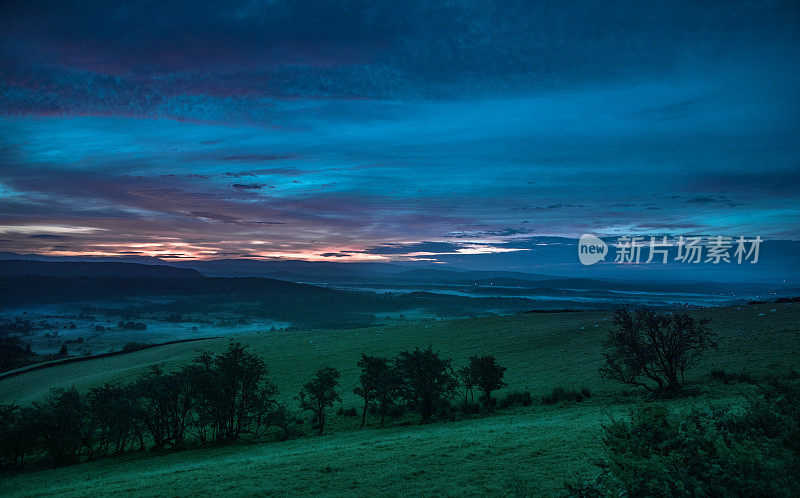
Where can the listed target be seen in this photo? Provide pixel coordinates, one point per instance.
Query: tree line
(218, 399)
(215, 399)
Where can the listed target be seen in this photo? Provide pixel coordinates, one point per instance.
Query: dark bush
(395, 411)
(347, 412)
(15, 353)
(515, 398)
(753, 451)
(132, 325)
(129, 347)
(732, 378)
(10, 419)
(115, 418)
(468, 408)
(559, 394)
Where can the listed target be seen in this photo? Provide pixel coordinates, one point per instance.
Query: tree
(9, 418)
(61, 423)
(388, 386)
(379, 385)
(165, 403)
(484, 372)
(233, 395)
(113, 413)
(427, 380)
(653, 350)
(320, 393)
(242, 376)
(14, 353)
(467, 377)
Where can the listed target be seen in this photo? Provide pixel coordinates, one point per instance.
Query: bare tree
(653, 350)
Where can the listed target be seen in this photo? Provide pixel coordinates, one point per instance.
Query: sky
(393, 131)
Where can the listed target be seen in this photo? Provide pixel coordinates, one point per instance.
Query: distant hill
(11, 268)
(256, 268)
(52, 289)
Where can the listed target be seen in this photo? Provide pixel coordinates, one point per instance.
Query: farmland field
(524, 450)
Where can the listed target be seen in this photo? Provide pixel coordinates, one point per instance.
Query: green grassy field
(525, 451)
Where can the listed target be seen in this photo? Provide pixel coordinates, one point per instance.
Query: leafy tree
(61, 424)
(653, 350)
(19, 434)
(165, 402)
(388, 388)
(427, 380)
(379, 385)
(9, 418)
(242, 376)
(319, 394)
(15, 353)
(114, 417)
(484, 372)
(233, 395)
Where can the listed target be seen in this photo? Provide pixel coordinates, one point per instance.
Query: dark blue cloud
(364, 130)
(182, 60)
(432, 247)
(49, 236)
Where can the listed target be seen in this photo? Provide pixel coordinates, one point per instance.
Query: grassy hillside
(530, 452)
(541, 350)
(531, 449)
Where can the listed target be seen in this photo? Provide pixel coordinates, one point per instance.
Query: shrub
(348, 412)
(468, 408)
(280, 418)
(132, 346)
(15, 353)
(732, 378)
(753, 451)
(132, 325)
(515, 398)
(559, 394)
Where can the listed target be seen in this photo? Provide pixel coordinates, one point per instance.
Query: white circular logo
(591, 249)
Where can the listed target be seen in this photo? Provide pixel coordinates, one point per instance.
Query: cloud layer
(359, 130)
